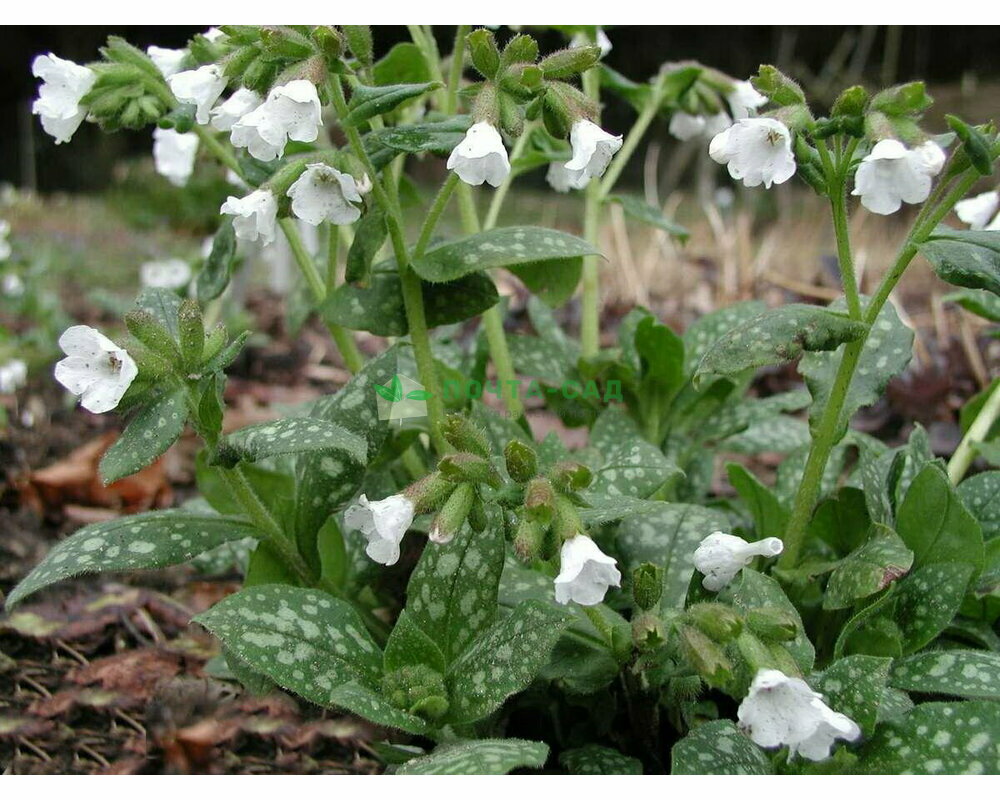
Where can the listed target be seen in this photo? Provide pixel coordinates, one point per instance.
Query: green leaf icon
(418, 394)
(393, 393)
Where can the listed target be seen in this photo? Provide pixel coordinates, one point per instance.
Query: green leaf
(650, 215)
(370, 101)
(981, 496)
(305, 641)
(603, 509)
(500, 247)
(370, 704)
(978, 301)
(630, 465)
(638, 94)
(439, 138)
(718, 748)
(553, 282)
(855, 686)
(937, 738)
(884, 558)
(147, 436)
(452, 594)
(481, 757)
(886, 353)
(775, 337)
(143, 541)
(704, 332)
(965, 258)
(164, 305)
(294, 435)
(769, 516)
(592, 759)
(369, 236)
(935, 525)
(668, 538)
(409, 645)
(974, 674)
(404, 63)
(213, 278)
(779, 434)
(504, 660)
(927, 602)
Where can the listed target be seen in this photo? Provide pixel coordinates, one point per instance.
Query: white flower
(5, 250)
(12, 285)
(581, 40)
(167, 60)
(364, 185)
(174, 154)
(291, 111)
(720, 556)
(201, 87)
(585, 573)
(95, 368)
(592, 149)
(63, 86)
(562, 179)
(779, 710)
(757, 150)
(173, 273)
(323, 193)
(240, 103)
(213, 34)
(977, 212)
(744, 100)
(480, 157)
(254, 216)
(686, 126)
(13, 375)
(892, 174)
(383, 523)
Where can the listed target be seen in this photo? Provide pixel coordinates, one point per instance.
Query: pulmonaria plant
(843, 614)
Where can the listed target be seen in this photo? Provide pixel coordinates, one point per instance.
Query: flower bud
(477, 516)
(705, 657)
(540, 500)
(468, 468)
(717, 620)
(465, 436)
(779, 88)
(522, 462)
(330, 41)
(647, 585)
(851, 103)
(453, 514)
(418, 690)
(429, 493)
(359, 40)
(772, 624)
(528, 539)
(647, 631)
(569, 62)
(191, 330)
(566, 523)
(783, 659)
(754, 653)
(570, 476)
(283, 42)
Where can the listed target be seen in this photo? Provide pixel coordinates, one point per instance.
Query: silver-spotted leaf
(293, 435)
(855, 686)
(480, 757)
(147, 436)
(974, 674)
(881, 560)
(718, 748)
(593, 759)
(981, 496)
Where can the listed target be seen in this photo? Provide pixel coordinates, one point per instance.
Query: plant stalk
(963, 457)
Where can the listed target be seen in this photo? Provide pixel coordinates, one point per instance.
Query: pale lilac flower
(585, 573)
(324, 194)
(893, 174)
(756, 150)
(291, 111)
(174, 154)
(95, 368)
(720, 556)
(64, 85)
(167, 60)
(480, 157)
(383, 523)
(200, 87)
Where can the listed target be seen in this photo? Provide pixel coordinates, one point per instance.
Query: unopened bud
(647, 631)
(359, 40)
(717, 620)
(851, 103)
(647, 585)
(483, 53)
(540, 500)
(330, 41)
(705, 657)
(417, 689)
(528, 539)
(465, 436)
(572, 61)
(429, 493)
(453, 514)
(570, 476)
(772, 624)
(522, 463)
(477, 516)
(468, 468)
(754, 653)
(566, 523)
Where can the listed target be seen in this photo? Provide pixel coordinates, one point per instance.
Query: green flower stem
(332, 255)
(845, 258)
(631, 142)
(827, 433)
(500, 195)
(978, 431)
(457, 64)
(434, 214)
(218, 149)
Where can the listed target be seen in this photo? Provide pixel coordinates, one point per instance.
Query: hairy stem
(978, 430)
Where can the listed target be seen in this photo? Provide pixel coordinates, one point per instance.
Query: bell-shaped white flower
(585, 573)
(167, 60)
(95, 368)
(200, 87)
(235, 107)
(291, 111)
(980, 212)
(323, 193)
(480, 157)
(13, 375)
(744, 100)
(893, 174)
(64, 85)
(756, 150)
(171, 273)
(720, 556)
(254, 216)
(383, 523)
(686, 126)
(562, 179)
(5, 250)
(593, 149)
(782, 711)
(174, 154)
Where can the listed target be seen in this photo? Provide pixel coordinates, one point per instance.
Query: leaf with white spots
(965, 258)
(775, 337)
(881, 560)
(504, 660)
(143, 541)
(885, 355)
(603, 509)
(705, 331)
(304, 640)
(668, 538)
(974, 674)
(482, 757)
(779, 434)
(630, 466)
(290, 436)
(147, 436)
(452, 594)
(718, 748)
(981, 495)
(409, 645)
(928, 600)
(592, 759)
(937, 739)
(164, 305)
(855, 686)
(501, 247)
(370, 704)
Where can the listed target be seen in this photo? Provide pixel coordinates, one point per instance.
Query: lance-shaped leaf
(439, 138)
(927, 602)
(881, 560)
(886, 353)
(775, 337)
(404, 63)
(370, 101)
(629, 465)
(293, 435)
(164, 305)
(937, 738)
(143, 541)
(650, 215)
(552, 282)
(965, 258)
(978, 301)
(592, 759)
(705, 331)
(974, 674)
(147, 436)
(372, 705)
(218, 267)
(718, 748)
(981, 495)
(304, 640)
(855, 686)
(504, 660)
(480, 757)
(369, 236)
(500, 247)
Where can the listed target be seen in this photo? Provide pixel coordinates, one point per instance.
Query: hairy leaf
(718, 748)
(147, 436)
(974, 674)
(881, 560)
(481, 757)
